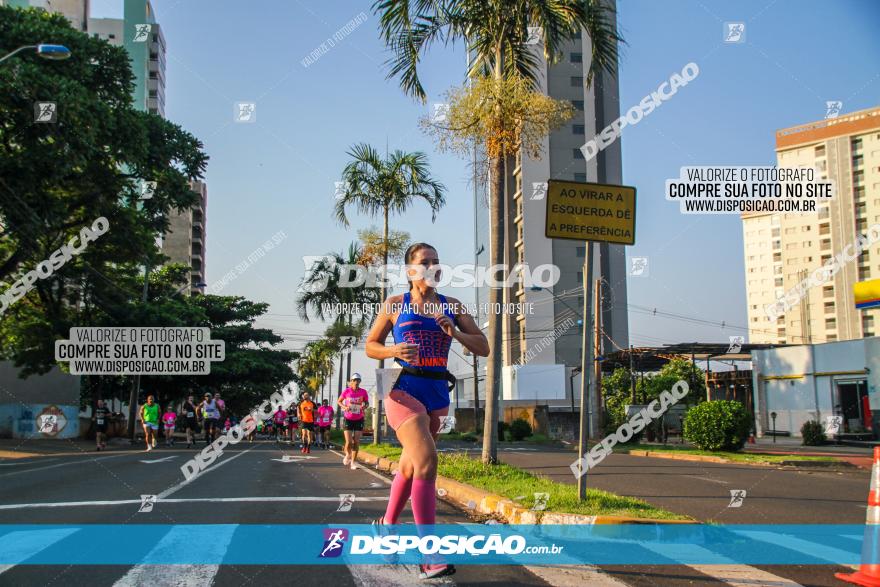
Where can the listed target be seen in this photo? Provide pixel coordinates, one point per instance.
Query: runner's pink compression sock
(424, 501)
(400, 489)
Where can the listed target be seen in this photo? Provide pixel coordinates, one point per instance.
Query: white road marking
(820, 551)
(67, 504)
(564, 575)
(701, 478)
(366, 470)
(159, 460)
(213, 545)
(186, 482)
(23, 462)
(385, 575)
(721, 568)
(20, 546)
(292, 459)
(76, 462)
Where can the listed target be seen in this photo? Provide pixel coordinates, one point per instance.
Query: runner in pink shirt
(325, 418)
(279, 418)
(169, 418)
(353, 401)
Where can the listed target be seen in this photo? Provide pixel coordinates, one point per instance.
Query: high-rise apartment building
(542, 347)
(142, 38)
(76, 11)
(781, 250)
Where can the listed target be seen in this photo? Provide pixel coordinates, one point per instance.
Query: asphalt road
(774, 495)
(31, 490)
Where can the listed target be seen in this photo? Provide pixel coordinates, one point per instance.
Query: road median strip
(475, 499)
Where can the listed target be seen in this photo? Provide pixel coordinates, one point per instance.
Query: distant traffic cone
(868, 574)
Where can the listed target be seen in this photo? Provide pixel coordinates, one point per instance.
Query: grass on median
(736, 457)
(520, 486)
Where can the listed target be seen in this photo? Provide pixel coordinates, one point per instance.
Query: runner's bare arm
(467, 333)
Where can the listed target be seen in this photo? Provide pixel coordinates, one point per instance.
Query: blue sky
(278, 173)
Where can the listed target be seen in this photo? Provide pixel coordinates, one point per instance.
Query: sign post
(589, 212)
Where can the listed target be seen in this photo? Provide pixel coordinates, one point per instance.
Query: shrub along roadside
(813, 433)
(718, 425)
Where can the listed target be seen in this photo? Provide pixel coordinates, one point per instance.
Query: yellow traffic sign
(591, 212)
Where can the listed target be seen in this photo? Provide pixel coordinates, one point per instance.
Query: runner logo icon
(334, 540)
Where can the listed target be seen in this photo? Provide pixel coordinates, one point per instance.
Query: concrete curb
(837, 463)
(477, 500)
(684, 457)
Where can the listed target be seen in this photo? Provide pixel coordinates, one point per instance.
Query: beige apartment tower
(783, 249)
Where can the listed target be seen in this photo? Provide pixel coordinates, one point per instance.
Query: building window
(578, 105)
(820, 150)
(856, 144)
(578, 129)
(577, 153)
(831, 323)
(582, 177)
(577, 36)
(828, 291)
(829, 307)
(577, 81)
(576, 57)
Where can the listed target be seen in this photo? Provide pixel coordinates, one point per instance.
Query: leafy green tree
(56, 178)
(497, 37)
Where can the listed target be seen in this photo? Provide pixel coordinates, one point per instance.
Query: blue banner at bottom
(354, 544)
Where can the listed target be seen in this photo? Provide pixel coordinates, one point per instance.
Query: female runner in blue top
(423, 323)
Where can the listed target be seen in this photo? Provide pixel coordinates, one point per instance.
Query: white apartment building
(782, 249)
(537, 364)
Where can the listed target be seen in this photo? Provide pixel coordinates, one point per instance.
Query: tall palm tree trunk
(377, 413)
(497, 204)
(496, 255)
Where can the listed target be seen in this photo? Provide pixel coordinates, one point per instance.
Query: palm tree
(374, 185)
(321, 289)
(496, 34)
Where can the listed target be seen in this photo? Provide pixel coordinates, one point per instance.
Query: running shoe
(149, 448)
(308, 450)
(154, 443)
(434, 571)
(353, 465)
(380, 531)
(345, 460)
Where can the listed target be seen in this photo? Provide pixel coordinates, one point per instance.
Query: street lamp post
(44, 50)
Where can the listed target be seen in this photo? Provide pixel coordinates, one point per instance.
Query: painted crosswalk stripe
(17, 547)
(179, 539)
(722, 568)
(820, 551)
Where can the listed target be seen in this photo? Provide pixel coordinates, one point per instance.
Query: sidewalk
(20, 448)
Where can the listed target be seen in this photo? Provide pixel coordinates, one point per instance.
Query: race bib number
(100, 421)
(355, 408)
(190, 414)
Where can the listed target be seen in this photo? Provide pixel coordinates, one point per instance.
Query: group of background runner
(303, 422)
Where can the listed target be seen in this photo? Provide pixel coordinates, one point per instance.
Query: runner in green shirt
(150, 418)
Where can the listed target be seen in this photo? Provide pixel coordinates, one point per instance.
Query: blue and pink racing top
(433, 353)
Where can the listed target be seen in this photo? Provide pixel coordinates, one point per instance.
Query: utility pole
(597, 366)
(632, 377)
(584, 428)
(136, 384)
